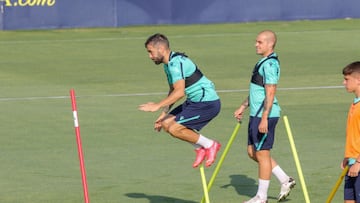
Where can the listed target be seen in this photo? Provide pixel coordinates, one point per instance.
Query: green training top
(181, 67)
(270, 71)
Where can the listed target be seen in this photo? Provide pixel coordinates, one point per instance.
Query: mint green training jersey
(270, 71)
(181, 67)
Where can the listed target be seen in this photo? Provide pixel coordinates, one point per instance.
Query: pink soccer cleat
(211, 153)
(200, 156)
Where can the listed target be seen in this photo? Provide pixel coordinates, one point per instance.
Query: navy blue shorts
(261, 141)
(195, 115)
(352, 188)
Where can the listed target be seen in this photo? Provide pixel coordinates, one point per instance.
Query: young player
(352, 145)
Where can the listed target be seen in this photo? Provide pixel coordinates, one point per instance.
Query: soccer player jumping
(202, 103)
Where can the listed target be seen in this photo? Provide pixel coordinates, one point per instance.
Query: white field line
(120, 38)
(214, 35)
(158, 93)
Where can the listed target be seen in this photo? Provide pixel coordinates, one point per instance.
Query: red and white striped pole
(79, 145)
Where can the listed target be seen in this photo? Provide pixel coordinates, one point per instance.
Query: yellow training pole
(337, 184)
(203, 180)
(297, 162)
(221, 160)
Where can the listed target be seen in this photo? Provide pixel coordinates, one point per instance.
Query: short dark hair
(352, 68)
(156, 39)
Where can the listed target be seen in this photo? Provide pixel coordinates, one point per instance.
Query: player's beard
(158, 60)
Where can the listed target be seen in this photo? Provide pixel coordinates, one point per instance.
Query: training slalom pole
(297, 162)
(336, 186)
(79, 146)
(221, 160)
(203, 180)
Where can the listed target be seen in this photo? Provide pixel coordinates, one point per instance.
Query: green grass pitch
(126, 161)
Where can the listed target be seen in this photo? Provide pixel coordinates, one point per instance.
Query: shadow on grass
(157, 198)
(246, 186)
(242, 184)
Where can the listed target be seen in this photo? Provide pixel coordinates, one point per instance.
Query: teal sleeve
(175, 71)
(271, 71)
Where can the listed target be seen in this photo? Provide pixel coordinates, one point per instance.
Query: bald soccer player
(264, 115)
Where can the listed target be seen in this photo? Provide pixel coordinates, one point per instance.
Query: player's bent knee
(175, 129)
(166, 123)
(165, 126)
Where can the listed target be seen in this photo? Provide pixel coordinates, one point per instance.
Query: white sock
(263, 188)
(280, 174)
(205, 142)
